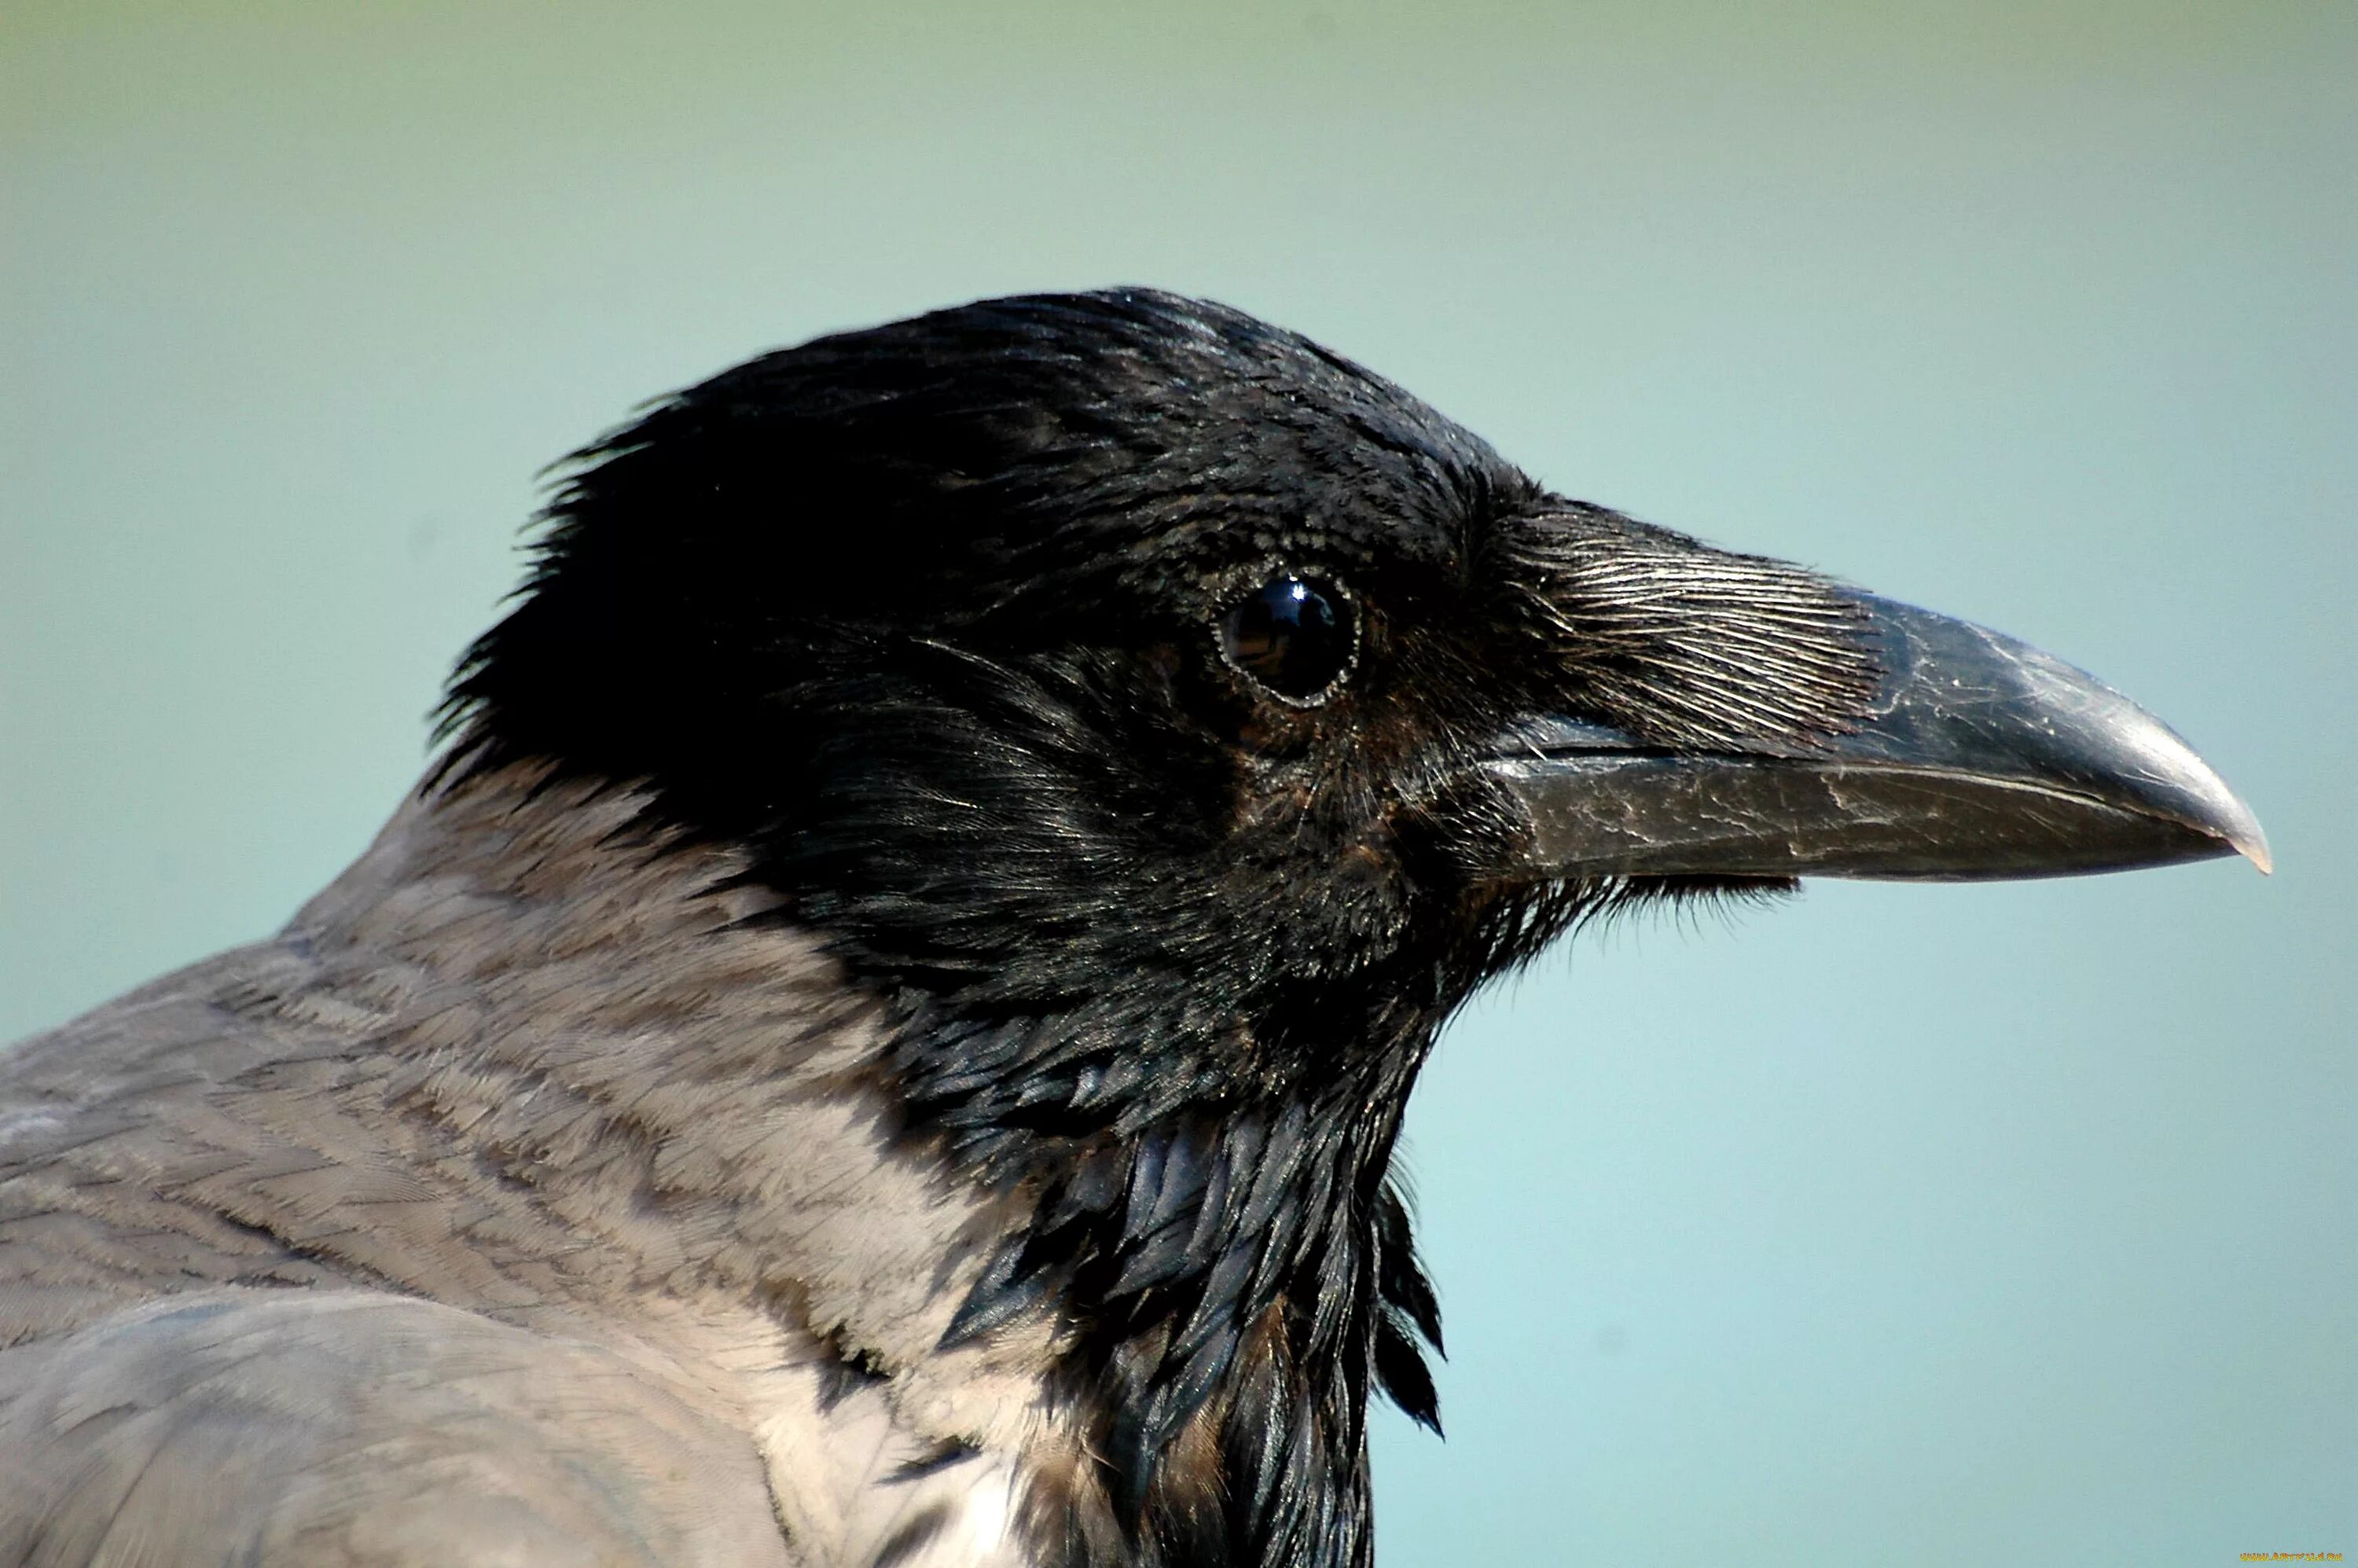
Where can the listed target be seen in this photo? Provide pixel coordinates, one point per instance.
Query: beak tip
(2222, 818)
(2217, 810)
(2157, 769)
(2220, 815)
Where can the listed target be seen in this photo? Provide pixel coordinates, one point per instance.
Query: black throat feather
(1191, 1077)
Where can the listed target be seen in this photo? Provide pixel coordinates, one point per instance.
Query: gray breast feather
(346, 1427)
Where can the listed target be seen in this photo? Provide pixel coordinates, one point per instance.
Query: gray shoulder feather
(328, 1244)
(347, 1428)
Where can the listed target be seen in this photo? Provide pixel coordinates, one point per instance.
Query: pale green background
(2012, 1225)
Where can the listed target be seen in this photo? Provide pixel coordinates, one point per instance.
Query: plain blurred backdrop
(2006, 1225)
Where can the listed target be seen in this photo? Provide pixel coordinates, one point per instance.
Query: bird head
(1173, 721)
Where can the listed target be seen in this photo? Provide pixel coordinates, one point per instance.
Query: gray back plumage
(526, 1154)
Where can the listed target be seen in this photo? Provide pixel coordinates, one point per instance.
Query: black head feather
(927, 619)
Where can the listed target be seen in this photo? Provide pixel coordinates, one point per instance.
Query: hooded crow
(881, 1038)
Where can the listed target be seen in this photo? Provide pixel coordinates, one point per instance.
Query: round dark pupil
(1290, 636)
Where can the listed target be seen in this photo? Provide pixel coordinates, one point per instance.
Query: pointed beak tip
(2211, 807)
(2239, 835)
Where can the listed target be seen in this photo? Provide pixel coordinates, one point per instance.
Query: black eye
(1296, 636)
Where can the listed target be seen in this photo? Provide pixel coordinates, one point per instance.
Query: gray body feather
(353, 1427)
(522, 1201)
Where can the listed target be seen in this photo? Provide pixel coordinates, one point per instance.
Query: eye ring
(1296, 637)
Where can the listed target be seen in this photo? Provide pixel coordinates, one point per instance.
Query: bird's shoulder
(356, 1427)
(512, 1065)
(121, 1137)
(456, 1073)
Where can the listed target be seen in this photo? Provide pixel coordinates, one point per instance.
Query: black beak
(1980, 758)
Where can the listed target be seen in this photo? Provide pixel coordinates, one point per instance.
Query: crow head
(1174, 722)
